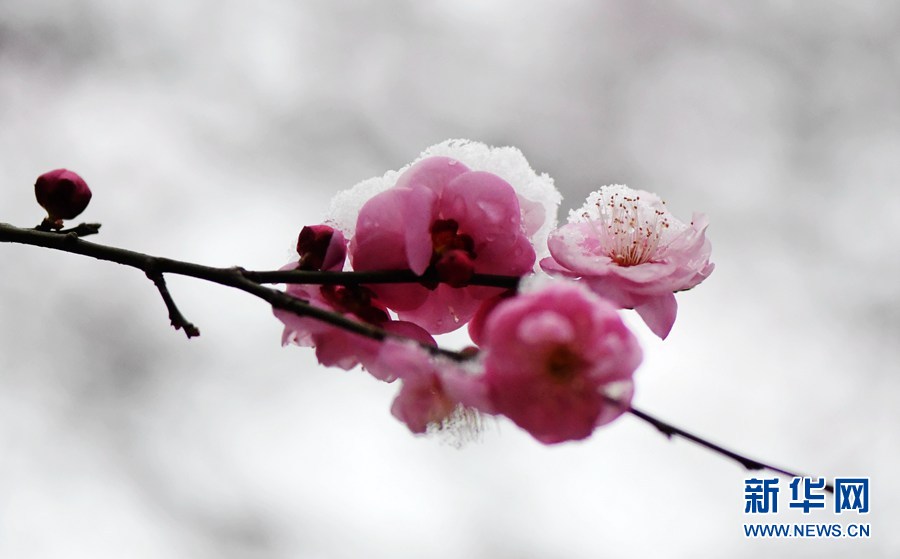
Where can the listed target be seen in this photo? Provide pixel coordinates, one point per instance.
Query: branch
(175, 316)
(670, 430)
(80, 230)
(154, 267)
(373, 277)
(229, 277)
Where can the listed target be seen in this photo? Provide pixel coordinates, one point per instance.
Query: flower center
(452, 254)
(630, 232)
(563, 364)
(445, 237)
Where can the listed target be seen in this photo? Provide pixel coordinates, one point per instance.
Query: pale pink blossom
(627, 247)
(558, 362)
(444, 217)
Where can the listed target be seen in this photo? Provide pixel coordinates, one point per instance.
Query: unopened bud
(63, 194)
(321, 248)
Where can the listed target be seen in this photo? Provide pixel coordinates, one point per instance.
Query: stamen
(630, 233)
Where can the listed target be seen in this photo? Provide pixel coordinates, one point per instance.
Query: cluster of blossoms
(552, 355)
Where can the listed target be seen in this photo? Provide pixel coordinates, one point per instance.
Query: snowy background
(212, 131)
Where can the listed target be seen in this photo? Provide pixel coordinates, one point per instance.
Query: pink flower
(627, 247)
(336, 347)
(554, 357)
(322, 248)
(441, 216)
(435, 393)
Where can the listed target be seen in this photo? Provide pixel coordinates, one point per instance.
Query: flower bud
(321, 248)
(63, 194)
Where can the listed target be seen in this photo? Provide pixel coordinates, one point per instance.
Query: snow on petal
(538, 197)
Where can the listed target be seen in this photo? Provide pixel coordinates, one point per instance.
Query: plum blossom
(558, 361)
(629, 248)
(538, 197)
(494, 218)
(442, 216)
(321, 247)
(436, 394)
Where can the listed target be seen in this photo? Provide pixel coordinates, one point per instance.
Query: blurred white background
(212, 131)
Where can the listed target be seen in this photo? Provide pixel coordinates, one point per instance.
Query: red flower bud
(321, 248)
(63, 194)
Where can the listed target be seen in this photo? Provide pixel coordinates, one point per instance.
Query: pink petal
(380, 244)
(339, 348)
(420, 402)
(506, 255)
(476, 325)
(379, 240)
(446, 309)
(432, 173)
(659, 313)
(468, 389)
(398, 359)
(551, 266)
(419, 211)
(575, 249)
(623, 392)
(482, 204)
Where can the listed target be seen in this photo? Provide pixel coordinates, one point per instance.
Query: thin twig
(670, 430)
(175, 316)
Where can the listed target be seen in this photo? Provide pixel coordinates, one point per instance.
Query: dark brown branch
(177, 319)
(82, 229)
(230, 277)
(670, 430)
(381, 276)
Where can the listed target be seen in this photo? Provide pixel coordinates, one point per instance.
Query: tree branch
(80, 230)
(154, 267)
(175, 316)
(670, 430)
(373, 277)
(229, 277)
